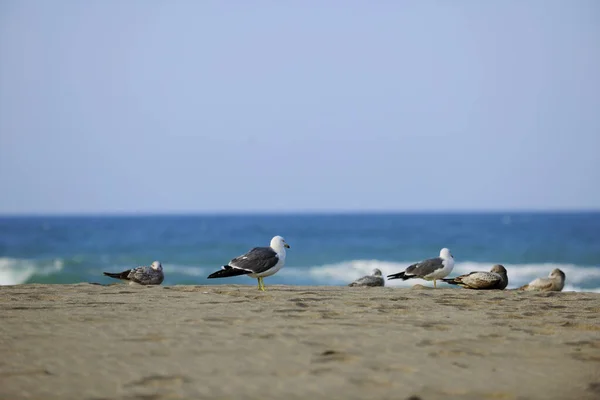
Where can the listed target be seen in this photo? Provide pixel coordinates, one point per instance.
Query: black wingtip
(450, 281)
(214, 275)
(399, 275)
(226, 272)
(119, 275)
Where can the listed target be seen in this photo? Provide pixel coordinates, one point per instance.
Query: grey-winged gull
(497, 278)
(258, 263)
(152, 275)
(375, 279)
(553, 283)
(431, 269)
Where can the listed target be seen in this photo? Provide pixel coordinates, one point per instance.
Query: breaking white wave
(14, 271)
(578, 278)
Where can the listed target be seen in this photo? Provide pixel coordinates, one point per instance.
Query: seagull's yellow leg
(434, 285)
(261, 284)
(258, 280)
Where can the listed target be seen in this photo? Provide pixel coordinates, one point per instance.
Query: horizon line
(298, 212)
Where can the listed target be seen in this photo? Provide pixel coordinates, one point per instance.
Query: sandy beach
(233, 342)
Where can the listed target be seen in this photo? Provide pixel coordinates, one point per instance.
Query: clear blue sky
(221, 106)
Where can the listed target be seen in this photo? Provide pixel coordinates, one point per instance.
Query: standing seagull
(497, 278)
(554, 283)
(431, 269)
(370, 280)
(258, 263)
(152, 275)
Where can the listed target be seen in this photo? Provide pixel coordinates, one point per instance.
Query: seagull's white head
(156, 265)
(376, 272)
(445, 254)
(499, 269)
(278, 243)
(557, 273)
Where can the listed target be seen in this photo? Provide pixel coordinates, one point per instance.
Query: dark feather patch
(399, 275)
(228, 271)
(119, 275)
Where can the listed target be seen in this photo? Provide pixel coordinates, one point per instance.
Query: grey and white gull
(497, 278)
(258, 263)
(555, 282)
(375, 279)
(143, 275)
(432, 269)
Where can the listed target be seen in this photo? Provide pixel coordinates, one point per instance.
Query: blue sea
(325, 249)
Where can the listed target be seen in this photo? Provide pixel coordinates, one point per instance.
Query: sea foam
(579, 278)
(14, 271)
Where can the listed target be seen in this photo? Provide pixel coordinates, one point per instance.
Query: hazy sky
(219, 106)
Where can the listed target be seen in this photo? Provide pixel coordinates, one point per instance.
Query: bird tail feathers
(400, 275)
(228, 271)
(451, 281)
(118, 275)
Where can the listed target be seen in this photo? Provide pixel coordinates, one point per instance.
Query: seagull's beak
(287, 246)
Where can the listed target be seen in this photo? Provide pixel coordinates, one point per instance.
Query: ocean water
(325, 249)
